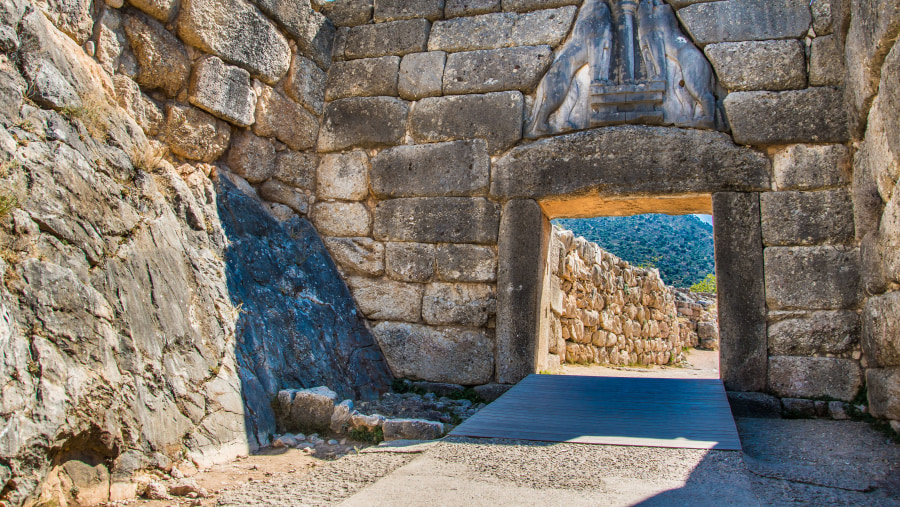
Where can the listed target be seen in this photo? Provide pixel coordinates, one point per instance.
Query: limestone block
(880, 250)
(252, 157)
(452, 355)
(812, 278)
(384, 299)
(463, 304)
(343, 176)
(812, 333)
(875, 160)
(888, 101)
(236, 32)
(163, 10)
(807, 218)
(437, 220)
(276, 191)
(811, 167)
(305, 83)
(410, 262)
(421, 75)
(363, 122)
(71, 17)
(393, 10)
(495, 117)
(223, 90)
(823, 19)
(164, 64)
(382, 39)
(369, 422)
(313, 32)
(346, 12)
(367, 77)
(458, 168)
(533, 5)
(311, 409)
(362, 256)
(195, 135)
(814, 377)
(744, 20)
(629, 160)
(466, 263)
(814, 115)
(880, 329)
(296, 169)
(455, 8)
(501, 30)
(412, 429)
(340, 418)
(884, 392)
(278, 116)
(494, 70)
(342, 219)
(773, 65)
(142, 108)
(826, 62)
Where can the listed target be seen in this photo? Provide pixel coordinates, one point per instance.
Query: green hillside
(680, 246)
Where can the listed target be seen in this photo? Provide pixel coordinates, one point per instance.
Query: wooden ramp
(652, 412)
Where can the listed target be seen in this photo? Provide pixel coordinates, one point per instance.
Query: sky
(705, 218)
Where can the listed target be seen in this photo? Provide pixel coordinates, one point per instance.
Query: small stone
(163, 10)
(799, 408)
(332, 442)
(157, 491)
(366, 422)
(412, 429)
(346, 12)
(838, 410)
(194, 134)
(252, 157)
(312, 31)
(340, 417)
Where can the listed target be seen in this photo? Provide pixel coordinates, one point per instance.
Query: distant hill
(680, 246)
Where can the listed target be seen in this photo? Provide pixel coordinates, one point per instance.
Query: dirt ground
(699, 364)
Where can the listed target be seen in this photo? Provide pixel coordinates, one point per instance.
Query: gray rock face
(420, 75)
(744, 20)
(412, 429)
(485, 71)
(533, 5)
(382, 39)
(774, 65)
(880, 325)
(492, 31)
(305, 83)
(459, 168)
(343, 176)
(277, 192)
(410, 262)
(72, 17)
(393, 10)
(826, 62)
(224, 91)
(813, 377)
(368, 77)
(884, 390)
(452, 355)
(363, 122)
(313, 32)
(811, 167)
(495, 117)
(466, 263)
(454, 8)
(813, 278)
(386, 299)
(437, 220)
(814, 115)
(342, 219)
(163, 62)
(163, 10)
(347, 12)
(252, 157)
(807, 218)
(236, 32)
(461, 304)
(813, 333)
(619, 160)
(296, 169)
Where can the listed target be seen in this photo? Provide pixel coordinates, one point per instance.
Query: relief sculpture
(627, 61)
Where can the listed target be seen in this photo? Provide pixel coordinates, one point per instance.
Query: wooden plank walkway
(653, 412)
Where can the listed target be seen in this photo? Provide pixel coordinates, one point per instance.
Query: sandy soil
(700, 364)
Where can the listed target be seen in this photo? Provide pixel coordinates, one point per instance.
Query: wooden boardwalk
(653, 412)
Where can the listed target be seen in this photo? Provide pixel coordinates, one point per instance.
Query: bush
(708, 284)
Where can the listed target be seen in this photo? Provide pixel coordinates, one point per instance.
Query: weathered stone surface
(823, 19)
(741, 292)
(410, 262)
(453, 355)
(533, 5)
(773, 65)
(884, 392)
(145, 111)
(362, 256)
(310, 409)
(340, 418)
(72, 17)
(313, 32)
(629, 160)
(437, 220)
(278, 192)
(875, 159)
(223, 90)
(384, 299)
(382, 39)
(393, 10)
(236, 32)
(524, 238)
(744, 20)
(346, 12)
(811, 167)
(163, 62)
(459, 168)
(807, 218)
(466, 263)
(880, 328)
(799, 408)
(163, 10)
(826, 62)
(343, 176)
(367, 77)
(888, 101)
(195, 135)
(279, 117)
(814, 115)
(814, 377)
(363, 122)
(296, 169)
(252, 157)
(463, 304)
(412, 429)
(305, 83)
(824, 277)
(342, 219)
(501, 30)
(454, 8)
(495, 117)
(868, 204)
(494, 70)
(421, 75)
(754, 405)
(813, 333)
